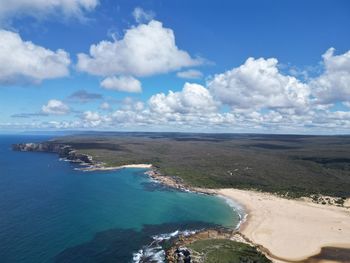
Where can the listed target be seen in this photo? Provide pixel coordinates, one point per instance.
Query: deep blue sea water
(50, 212)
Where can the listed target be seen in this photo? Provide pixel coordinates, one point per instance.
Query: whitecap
(154, 251)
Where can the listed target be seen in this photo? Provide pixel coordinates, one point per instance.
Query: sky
(257, 66)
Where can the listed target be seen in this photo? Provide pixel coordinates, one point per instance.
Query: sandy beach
(111, 168)
(291, 230)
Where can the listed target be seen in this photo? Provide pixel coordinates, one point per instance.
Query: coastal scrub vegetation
(290, 165)
(225, 251)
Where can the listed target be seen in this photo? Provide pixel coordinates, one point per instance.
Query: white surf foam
(237, 208)
(154, 251)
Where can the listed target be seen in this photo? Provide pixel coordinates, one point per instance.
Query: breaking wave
(154, 252)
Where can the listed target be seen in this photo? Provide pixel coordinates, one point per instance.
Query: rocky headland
(64, 151)
(180, 251)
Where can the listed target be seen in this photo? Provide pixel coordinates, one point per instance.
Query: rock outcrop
(180, 253)
(64, 151)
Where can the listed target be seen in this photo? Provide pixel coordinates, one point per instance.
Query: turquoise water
(51, 212)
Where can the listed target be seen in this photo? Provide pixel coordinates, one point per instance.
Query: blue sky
(175, 66)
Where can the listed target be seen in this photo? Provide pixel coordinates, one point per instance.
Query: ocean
(52, 212)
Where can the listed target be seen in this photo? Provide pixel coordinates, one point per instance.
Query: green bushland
(290, 165)
(226, 251)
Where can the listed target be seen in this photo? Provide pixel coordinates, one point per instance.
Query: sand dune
(291, 230)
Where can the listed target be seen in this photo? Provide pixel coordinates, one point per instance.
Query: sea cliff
(63, 150)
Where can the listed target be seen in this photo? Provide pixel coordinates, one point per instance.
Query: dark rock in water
(183, 255)
(64, 151)
(186, 253)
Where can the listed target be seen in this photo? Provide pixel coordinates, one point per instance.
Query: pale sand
(291, 230)
(141, 165)
(109, 168)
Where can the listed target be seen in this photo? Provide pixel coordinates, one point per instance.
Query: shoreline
(176, 183)
(239, 208)
(285, 230)
(265, 228)
(101, 167)
(291, 230)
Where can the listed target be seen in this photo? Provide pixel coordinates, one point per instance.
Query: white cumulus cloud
(91, 116)
(145, 50)
(259, 84)
(253, 97)
(193, 98)
(122, 83)
(130, 104)
(55, 107)
(22, 61)
(334, 83)
(105, 106)
(142, 16)
(190, 74)
(94, 119)
(10, 9)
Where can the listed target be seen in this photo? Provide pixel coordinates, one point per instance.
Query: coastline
(285, 230)
(182, 238)
(291, 230)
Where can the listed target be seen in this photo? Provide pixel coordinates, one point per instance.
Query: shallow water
(53, 213)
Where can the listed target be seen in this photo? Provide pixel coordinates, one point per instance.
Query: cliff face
(64, 151)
